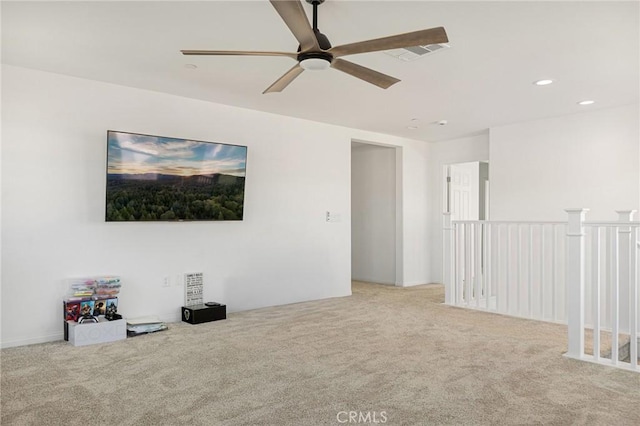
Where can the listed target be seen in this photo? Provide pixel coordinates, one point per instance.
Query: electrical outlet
(166, 282)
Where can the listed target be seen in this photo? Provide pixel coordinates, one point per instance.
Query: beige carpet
(392, 350)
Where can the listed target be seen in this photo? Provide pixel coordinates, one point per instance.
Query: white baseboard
(32, 341)
(373, 281)
(405, 284)
(415, 283)
(172, 317)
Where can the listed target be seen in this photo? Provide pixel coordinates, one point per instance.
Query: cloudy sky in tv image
(141, 154)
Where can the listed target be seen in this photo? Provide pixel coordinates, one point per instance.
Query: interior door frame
(399, 227)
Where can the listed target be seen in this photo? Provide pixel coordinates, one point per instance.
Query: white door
(464, 191)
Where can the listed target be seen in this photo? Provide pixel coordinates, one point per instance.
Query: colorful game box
(99, 307)
(71, 311)
(112, 305)
(86, 308)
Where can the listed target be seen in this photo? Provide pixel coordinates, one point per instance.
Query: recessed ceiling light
(542, 82)
(412, 127)
(586, 102)
(191, 66)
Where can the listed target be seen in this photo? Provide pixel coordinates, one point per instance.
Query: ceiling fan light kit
(316, 53)
(315, 61)
(315, 64)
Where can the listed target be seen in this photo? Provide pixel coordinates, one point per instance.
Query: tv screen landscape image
(155, 178)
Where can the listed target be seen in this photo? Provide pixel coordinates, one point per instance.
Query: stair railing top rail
(613, 224)
(513, 222)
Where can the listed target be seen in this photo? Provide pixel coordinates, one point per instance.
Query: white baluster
(460, 264)
(487, 265)
(518, 267)
(595, 276)
(478, 272)
(498, 263)
(615, 297)
(507, 293)
(467, 263)
(530, 274)
(542, 256)
(633, 309)
(553, 272)
(447, 264)
(624, 268)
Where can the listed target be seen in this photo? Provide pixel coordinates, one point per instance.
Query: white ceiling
(590, 49)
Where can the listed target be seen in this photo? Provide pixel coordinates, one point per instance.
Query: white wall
(542, 167)
(373, 214)
(54, 148)
(462, 150)
(53, 187)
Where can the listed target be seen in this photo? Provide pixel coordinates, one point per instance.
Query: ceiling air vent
(415, 52)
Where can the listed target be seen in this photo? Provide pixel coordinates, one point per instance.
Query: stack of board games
(90, 299)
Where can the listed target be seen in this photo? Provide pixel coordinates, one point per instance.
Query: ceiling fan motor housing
(315, 55)
(323, 41)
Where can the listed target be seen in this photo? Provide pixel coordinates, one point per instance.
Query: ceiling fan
(316, 53)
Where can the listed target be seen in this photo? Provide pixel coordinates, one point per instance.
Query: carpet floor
(385, 355)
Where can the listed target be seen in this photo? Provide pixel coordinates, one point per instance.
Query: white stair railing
(602, 274)
(588, 280)
(511, 268)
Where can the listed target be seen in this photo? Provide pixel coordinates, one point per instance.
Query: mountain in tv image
(152, 178)
(210, 179)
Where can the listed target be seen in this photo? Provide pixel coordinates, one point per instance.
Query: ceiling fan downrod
(315, 4)
(323, 41)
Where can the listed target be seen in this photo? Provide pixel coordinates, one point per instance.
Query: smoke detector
(412, 53)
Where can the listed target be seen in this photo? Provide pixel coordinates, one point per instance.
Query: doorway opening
(376, 220)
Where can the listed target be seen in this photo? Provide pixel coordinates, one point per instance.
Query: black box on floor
(197, 314)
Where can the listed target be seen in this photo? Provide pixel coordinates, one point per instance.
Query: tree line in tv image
(153, 178)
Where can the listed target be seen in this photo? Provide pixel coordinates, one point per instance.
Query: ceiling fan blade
(363, 73)
(237, 53)
(292, 13)
(416, 38)
(284, 81)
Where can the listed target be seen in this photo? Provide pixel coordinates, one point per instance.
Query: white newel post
(575, 282)
(447, 267)
(624, 268)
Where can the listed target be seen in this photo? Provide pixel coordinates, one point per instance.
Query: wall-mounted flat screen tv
(155, 178)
